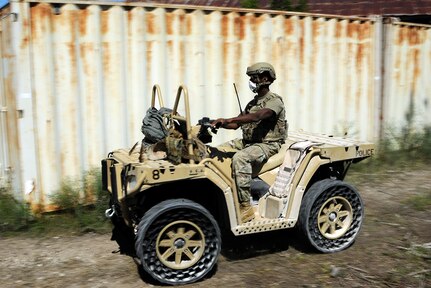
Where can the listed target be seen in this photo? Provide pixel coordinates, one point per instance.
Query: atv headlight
(131, 183)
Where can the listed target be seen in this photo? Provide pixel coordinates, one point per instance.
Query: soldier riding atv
(264, 129)
(171, 199)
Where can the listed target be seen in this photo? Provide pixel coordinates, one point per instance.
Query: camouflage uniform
(260, 141)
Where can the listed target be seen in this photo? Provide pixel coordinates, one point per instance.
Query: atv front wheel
(178, 241)
(331, 215)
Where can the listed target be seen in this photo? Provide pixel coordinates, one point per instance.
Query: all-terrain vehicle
(171, 200)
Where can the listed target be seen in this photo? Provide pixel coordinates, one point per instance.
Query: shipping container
(76, 77)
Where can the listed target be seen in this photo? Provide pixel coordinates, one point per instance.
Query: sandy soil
(392, 250)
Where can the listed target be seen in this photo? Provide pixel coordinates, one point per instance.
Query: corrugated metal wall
(407, 95)
(10, 164)
(82, 75)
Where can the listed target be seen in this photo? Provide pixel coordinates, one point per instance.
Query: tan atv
(169, 212)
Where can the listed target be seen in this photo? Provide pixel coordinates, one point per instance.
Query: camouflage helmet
(259, 68)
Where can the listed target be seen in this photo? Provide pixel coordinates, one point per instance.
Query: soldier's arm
(236, 122)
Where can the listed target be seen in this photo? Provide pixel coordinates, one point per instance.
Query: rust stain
(83, 48)
(74, 21)
(183, 65)
(44, 10)
(288, 26)
(301, 42)
(130, 20)
(239, 27)
(189, 24)
(315, 26)
(401, 35)
(106, 59)
(338, 29)
(169, 23)
(364, 31)
(359, 56)
(416, 67)
(182, 20)
(352, 29)
(25, 40)
(315, 52)
(129, 29)
(83, 19)
(149, 60)
(170, 45)
(38, 15)
(151, 29)
(104, 22)
(225, 26)
(414, 36)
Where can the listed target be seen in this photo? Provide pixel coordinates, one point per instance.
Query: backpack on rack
(154, 124)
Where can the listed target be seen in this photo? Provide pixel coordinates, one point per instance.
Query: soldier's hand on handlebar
(206, 124)
(218, 123)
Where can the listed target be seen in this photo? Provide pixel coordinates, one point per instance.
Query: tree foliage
(284, 5)
(251, 4)
(302, 6)
(287, 5)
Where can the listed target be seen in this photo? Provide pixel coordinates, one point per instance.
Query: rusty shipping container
(76, 77)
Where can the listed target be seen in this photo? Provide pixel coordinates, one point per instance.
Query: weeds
(85, 200)
(408, 145)
(411, 148)
(14, 215)
(81, 204)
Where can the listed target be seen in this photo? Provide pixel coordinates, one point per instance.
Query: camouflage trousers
(247, 160)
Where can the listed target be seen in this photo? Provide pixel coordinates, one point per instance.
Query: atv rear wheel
(178, 242)
(331, 215)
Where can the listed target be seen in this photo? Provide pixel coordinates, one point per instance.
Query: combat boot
(247, 212)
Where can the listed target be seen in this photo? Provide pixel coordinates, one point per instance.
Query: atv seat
(273, 162)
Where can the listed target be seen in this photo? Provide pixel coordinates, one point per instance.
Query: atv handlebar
(204, 132)
(205, 122)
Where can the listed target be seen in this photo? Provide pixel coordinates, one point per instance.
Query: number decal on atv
(156, 174)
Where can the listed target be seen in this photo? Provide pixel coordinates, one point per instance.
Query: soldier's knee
(240, 158)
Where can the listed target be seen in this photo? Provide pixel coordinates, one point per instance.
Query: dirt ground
(392, 250)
